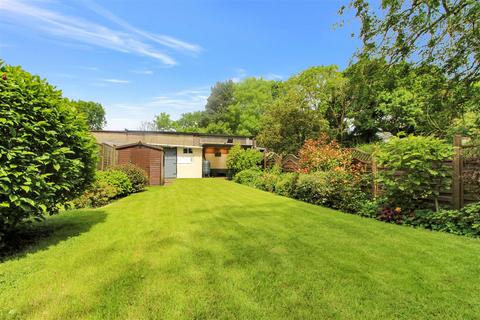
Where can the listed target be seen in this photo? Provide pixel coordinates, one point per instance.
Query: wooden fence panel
(465, 168)
(457, 184)
(107, 156)
(290, 163)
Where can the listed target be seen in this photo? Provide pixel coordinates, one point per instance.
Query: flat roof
(200, 134)
(223, 145)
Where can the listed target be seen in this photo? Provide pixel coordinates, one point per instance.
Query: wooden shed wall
(149, 159)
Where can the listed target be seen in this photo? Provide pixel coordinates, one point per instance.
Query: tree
(403, 98)
(445, 33)
(250, 100)
(47, 155)
(286, 126)
(93, 112)
(232, 108)
(190, 121)
(220, 98)
(218, 127)
(164, 123)
(308, 104)
(147, 126)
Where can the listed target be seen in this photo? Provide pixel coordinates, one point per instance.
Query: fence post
(457, 183)
(375, 176)
(115, 155)
(102, 155)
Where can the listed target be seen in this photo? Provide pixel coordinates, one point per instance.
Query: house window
(218, 153)
(187, 150)
(230, 140)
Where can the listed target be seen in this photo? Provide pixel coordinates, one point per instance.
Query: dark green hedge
(47, 155)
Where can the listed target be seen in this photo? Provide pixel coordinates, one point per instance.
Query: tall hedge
(47, 155)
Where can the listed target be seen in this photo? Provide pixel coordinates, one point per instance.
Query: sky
(139, 58)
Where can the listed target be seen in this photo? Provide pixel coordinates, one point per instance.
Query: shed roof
(139, 144)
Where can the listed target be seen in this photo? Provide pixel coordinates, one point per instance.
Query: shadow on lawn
(41, 235)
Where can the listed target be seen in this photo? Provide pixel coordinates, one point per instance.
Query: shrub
(138, 177)
(118, 179)
(339, 189)
(323, 155)
(47, 155)
(248, 177)
(99, 194)
(413, 170)
(240, 159)
(285, 184)
(463, 222)
(267, 181)
(368, 208)
(392, 215)
(313, 188)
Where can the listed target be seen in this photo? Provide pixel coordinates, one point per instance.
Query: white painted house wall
(189, 165)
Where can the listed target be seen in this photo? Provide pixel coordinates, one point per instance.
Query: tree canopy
(93, 112)
(164, 123)
(441, 32)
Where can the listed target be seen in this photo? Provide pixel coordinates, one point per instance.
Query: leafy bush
(340, 189)
(240, 159)
(47, 155)
(463, 222)
(267, 181)
(313, 188)
(392, 215)
(323, 155)
(285, 184)
(118, 179)
(272, 180)
(138, 177)
(413, 170)
(99, 194)
(368, 208)
(248, 177)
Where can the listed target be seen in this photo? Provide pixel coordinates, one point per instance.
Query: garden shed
(146, 156)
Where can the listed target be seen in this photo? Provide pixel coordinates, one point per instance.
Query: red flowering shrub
(324, 155)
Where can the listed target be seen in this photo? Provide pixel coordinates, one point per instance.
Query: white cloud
(165, 40)
(129, 40)
(181, 101)
(146, 72)
(273, 76)
(115, 81)
(130, 115)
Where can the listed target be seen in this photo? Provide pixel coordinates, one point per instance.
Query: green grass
(205, 249)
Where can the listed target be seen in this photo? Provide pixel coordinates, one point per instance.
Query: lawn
(212, 249)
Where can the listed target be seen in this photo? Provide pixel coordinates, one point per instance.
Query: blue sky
(140, 58)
